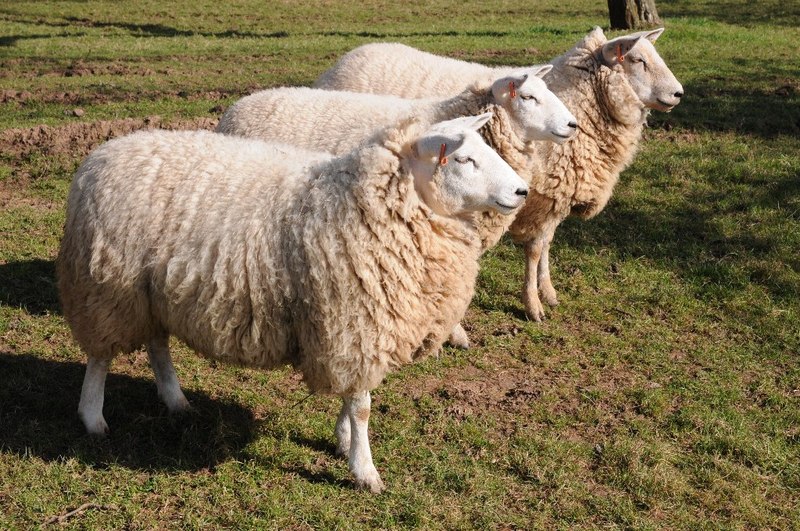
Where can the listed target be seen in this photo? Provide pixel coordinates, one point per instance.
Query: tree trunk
(633, 14)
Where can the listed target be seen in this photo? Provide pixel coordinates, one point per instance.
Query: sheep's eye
(639, 60)
(529, 97)
(465, 160)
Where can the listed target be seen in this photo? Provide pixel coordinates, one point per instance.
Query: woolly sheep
(608, 84)
(337, 121)
(266, 255)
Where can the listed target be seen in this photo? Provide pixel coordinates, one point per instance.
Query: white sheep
(523, 110)
(265, 255)
(608, 85)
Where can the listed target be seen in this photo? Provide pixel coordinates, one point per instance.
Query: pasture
(663, 392)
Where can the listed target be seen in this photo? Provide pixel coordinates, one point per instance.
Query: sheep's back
(332, 121)
(399, 70)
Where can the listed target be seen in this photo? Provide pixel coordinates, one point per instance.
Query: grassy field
(664, 391)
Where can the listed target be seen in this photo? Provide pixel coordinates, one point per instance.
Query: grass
(664, 392)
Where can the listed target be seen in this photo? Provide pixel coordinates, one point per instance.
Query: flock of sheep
(338, 231)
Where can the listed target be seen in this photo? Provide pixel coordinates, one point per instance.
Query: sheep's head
(455, 172)
(646, 71)
(535, 111)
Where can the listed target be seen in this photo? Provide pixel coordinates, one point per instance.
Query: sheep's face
(648, 74)
(455, 172)
(536, 112)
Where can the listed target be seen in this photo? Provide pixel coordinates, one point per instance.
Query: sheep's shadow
(31, 285)
(38, 403)
(693, 242)
(738, 13)
(715, 106)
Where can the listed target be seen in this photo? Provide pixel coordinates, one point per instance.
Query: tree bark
(633, 14)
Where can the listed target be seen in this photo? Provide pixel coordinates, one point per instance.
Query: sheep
(609, 85)
(524, 110)
(266, 255)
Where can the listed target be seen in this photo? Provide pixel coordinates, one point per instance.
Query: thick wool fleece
(579, 175)
(262, 255)
(393, 68)
(339, 121)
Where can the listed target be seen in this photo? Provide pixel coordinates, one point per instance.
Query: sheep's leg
(458, 337)
(530, 292)
(545, 284)
(90, 408)
(169, 389)
(343, 431)
(360, 462)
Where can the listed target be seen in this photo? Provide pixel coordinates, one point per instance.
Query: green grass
(664, 391)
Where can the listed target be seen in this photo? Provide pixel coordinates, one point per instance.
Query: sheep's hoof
(98, 429)
(180, 407)
(371, 482)
(458, 338)
(535, 310)
(343, 449)
(549, 296)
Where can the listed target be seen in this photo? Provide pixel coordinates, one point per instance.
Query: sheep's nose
(678, 94)
(522, 191)
(573, 125)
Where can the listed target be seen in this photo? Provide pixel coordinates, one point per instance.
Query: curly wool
(580, 175)
(263, 255)
(339, 121)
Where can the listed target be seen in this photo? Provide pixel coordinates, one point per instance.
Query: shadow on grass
(30, 285)
(699, 244)
(38, 416)
(736, 12)
(719, 107)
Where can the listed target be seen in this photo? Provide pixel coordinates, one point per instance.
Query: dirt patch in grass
(78, 139)
(25, 97)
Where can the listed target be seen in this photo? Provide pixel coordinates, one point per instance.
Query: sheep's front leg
(360, 462)
(343, 431)
(90, 408)
(530, 292)
(169, 389)
(545, 284)
(458, 337)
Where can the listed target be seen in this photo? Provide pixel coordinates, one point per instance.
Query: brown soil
(78, 139)
(22, 97)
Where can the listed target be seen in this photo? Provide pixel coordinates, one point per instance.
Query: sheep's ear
(505, 88)
(653, 35)
(457, 125)
(541, 71)
(614, 50)
(478, 121)
(597, 33)
(430, 146)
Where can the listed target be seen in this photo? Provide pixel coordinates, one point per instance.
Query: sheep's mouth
(560, 136)
(665, 107)
(505, 209)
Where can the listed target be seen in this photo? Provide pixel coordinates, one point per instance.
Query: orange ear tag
(619, 53)
(512, 89)
(442, 158)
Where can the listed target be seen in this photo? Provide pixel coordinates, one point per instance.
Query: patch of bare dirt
(18, 96)
(474, 390)
(86, 97)
(78, 139)
(79, 68)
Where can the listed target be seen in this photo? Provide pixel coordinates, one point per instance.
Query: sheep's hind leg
(530, 292)
(545, 284)
(360, 462)
(169, 389)
(343, 431)
(90, 408)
